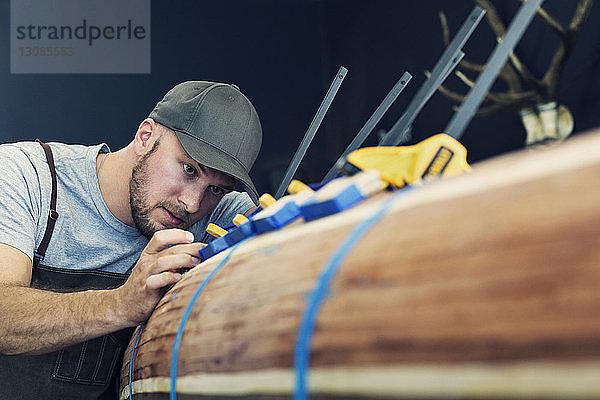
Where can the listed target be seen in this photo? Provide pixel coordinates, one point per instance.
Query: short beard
(140, 210)
(138, 199)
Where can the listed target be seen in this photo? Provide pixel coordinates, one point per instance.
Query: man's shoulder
(33, 153)
(21, 151)
(21, 161)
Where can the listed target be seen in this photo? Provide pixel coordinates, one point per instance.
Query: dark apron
(87, 370)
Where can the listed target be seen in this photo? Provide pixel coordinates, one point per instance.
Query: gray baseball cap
(216, 125)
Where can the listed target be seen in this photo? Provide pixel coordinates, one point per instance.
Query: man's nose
(191, 198)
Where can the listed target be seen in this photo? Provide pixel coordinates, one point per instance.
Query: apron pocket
(92, 362)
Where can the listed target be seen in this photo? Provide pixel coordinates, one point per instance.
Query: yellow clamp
(296, 186)
(439, 155)
(215, 230)
(266, 200)
(239, 219)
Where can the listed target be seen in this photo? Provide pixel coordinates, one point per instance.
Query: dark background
(284, 54)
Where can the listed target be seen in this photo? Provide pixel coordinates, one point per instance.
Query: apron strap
(52, 214)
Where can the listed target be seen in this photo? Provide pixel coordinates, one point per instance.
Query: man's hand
(168, 252)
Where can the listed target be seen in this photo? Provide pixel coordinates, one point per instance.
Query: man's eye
(216, 190)
(188, 169)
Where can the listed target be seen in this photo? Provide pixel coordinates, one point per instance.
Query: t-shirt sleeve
(19, 200)
(231, 204)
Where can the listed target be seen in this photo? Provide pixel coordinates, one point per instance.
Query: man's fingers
(175, 262)
(163, 279)
(192, 249)
(168, 237)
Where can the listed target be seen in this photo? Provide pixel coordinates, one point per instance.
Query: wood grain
(497, 269)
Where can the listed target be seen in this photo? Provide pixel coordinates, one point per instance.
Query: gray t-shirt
(86, 236)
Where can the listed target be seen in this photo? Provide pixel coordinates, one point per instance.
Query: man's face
(168, 189)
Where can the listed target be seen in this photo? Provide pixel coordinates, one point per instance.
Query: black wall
(283, 54)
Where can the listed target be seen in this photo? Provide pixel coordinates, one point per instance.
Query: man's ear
(146, 135)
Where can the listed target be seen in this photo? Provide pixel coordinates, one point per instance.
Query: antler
(514, 73)
(568, 37)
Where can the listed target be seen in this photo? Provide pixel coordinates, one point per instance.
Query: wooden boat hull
(483, 285)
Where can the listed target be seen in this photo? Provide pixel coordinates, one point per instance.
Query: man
(75, 280)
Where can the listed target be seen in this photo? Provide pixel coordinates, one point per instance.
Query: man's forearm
(35, 321)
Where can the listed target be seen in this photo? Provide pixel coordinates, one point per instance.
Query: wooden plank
(492, 271)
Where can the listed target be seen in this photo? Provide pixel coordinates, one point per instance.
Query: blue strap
(184, 318)
(316, 298)
(131, 360)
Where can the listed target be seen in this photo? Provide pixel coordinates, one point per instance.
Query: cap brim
(208, 155)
